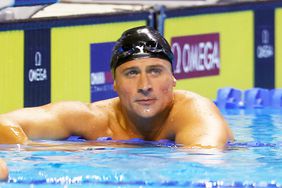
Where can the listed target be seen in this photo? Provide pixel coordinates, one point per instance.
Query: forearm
(53, 121)
(17, 127)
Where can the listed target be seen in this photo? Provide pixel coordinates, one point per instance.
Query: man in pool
(147, 107)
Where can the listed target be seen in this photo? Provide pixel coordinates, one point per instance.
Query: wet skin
(147, 108)
(145, 88)
(3, 170)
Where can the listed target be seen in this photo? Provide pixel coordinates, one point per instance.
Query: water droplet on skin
(147, 110)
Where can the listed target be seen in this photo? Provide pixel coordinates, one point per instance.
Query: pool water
(253, 160)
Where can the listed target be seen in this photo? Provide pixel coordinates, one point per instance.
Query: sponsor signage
(38, 73)
(101, 80)
(37, 67)
(196, 55)
(264, 49)
(264, 46)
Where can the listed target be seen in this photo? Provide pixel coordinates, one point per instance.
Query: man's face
(145, 86)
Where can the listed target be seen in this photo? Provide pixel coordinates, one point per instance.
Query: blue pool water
(253, 160)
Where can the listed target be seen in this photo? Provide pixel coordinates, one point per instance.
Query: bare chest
(123, 132)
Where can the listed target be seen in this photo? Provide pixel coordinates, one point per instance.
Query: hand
(11, 133)
(3, 170)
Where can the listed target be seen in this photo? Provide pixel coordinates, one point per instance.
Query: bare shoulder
(67, 106)
(78, 107)
(106, 106)
(200, 123)
(89, 120)
(195, 107)
(100, 110)
(68, 109)
(191, 98)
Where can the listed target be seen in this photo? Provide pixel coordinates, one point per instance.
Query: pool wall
(243, 54)
(67, 58)
(48, 60)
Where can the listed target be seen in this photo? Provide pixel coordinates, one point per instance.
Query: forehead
(144, 62)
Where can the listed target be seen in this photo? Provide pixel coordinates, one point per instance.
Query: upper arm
(203, 125)
(54, 121)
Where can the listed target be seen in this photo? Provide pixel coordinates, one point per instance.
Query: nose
(144, 85)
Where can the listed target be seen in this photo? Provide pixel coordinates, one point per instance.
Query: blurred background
(54, 50)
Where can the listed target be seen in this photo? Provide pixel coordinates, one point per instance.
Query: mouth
(146, 101)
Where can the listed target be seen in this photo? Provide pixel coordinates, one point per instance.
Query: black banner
(37, 67)
(264, 49)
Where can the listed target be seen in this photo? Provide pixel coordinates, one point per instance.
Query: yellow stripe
(11, 70)
(236, 49)
(70, 57)
(278, 48)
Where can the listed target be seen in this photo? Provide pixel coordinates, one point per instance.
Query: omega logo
(265, 50)
(203, 56)
(265, 36)
(39, 73)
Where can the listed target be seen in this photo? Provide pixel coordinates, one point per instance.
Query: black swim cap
(140, 42)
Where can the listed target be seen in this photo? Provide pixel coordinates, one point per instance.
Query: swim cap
(140, 42)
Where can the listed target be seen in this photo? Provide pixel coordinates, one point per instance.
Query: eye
(131, 73)
(155, 71)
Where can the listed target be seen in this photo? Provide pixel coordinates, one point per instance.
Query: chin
(147, 113)
(146, 116)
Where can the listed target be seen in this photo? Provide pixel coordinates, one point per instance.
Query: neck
(145, 128)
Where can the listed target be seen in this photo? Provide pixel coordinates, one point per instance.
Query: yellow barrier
(71, 57)
(26, 78)
(278, 48)
(11, 70)
(236, 48)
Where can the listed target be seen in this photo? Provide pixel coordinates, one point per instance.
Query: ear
(174, 81)
(115, 85)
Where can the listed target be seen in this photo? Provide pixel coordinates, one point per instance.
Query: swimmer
(147, 105)
(3, 170)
